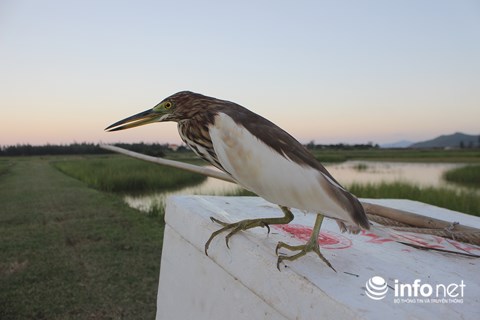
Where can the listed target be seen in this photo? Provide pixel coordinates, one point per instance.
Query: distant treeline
(152, 149)
(342, 146)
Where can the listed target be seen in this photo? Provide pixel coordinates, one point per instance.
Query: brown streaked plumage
(261, 157)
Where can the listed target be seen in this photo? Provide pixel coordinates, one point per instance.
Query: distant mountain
(456, 140)
(397, 144)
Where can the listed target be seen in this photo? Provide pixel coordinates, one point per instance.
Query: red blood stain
(326, 239)
(464, 246)
(331, 240)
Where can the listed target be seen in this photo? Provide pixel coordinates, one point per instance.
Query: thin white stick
(171, 163)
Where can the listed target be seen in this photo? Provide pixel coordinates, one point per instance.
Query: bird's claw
(309, 246)
(219, 221)
(236, 227)
(248, 224)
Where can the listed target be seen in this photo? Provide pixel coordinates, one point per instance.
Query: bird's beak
(136, 120)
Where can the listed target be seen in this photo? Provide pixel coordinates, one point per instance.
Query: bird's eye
(167, 105)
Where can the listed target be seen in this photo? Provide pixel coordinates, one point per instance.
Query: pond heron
(262, 158)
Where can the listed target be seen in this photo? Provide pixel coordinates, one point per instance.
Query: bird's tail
(356, 210)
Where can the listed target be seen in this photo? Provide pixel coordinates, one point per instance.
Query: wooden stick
(402, 216)
(414, 219)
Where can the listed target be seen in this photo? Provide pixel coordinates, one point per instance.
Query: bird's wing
(277, 139)
(273, 175)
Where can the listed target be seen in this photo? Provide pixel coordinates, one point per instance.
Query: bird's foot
(311, 245)
(248, 224)
(236, 227)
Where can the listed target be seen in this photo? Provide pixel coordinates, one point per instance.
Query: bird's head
(177, 107)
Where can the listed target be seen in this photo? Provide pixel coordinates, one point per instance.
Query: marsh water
(347, 173)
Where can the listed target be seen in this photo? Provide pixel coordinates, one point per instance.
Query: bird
(262, 158)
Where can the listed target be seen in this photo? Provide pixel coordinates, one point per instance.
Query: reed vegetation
(468, 176)
(398, 155)
(466, 201)
(361, 167)
(126, 175)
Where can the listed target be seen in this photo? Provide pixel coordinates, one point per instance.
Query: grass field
(4, 166)
(70, 252)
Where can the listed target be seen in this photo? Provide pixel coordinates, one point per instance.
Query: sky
(328, 71)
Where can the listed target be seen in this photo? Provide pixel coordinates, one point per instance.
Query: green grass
(126, 175)
(70, 252)
(185, 156)
(4, 166)
(463, 201)
(467, 176)
(397, 155)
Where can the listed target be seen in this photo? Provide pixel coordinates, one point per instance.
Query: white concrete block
(243, 282)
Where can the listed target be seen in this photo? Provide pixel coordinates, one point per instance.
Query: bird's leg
(248, 224)
(311, 245)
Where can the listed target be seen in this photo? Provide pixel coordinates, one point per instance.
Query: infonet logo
(376, 288)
